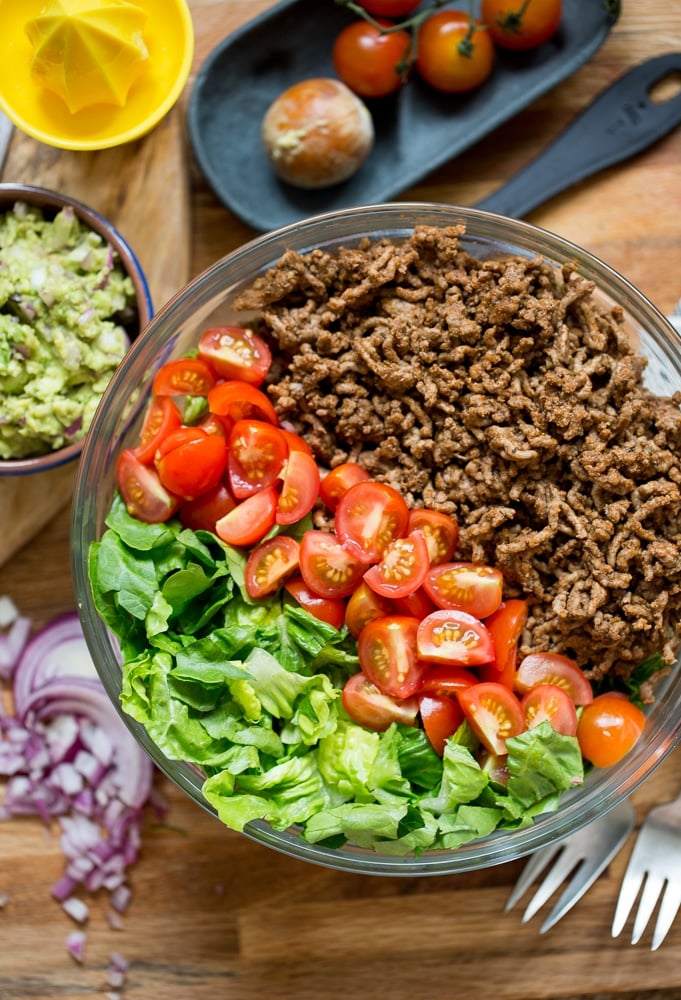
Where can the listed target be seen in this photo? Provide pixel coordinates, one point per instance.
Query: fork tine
(563, 866)
(669, 907)
(651, 893)
(626, 899)
(534, 867)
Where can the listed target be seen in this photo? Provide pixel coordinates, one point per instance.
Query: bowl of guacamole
(73, 296)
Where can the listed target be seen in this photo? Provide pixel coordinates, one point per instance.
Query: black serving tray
(417, 129)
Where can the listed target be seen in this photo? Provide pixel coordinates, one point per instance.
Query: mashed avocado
(63, 300)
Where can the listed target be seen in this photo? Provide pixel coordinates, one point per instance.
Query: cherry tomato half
(269, 564)
(236, 353)
(184, 377)
(493, 713)
(553, 668)
(250, 520)
(453, 56)
(443, 679)
(191, 462)
(519, 24)
(548, 702)
(389, 657)
(608, 728)
(328, 609)
(339, 480)
(416, 604)
(456, 638)
(389, 8)
(327, 567)
(369, 707)
(506, 627)
(256, 456)
(440, 530)
(371, 62)
(162, 418)
(300, 488)
(441, 717)
(462, 586)
(203, 513)
(365, 605)
(235, 400)
(143, 493)
(402, 568)
(369, 516)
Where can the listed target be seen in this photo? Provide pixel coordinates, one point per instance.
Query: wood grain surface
(214, 914)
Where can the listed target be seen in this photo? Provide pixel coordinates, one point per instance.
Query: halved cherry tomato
(608, 728)
(454, 55)
(369, 516)
(191, 462)
(550, 703)
(339, 480)
(328, 609)
(162, 418)
(493, 713)
(389, 657)
(506, 627)
(184, 377)
(203, 513)
(440, 530)
(236, 353)
(443, 679)
(417, 604)
(454, 637)
(367, 706)
(370, 61)
(300, 488)
(143, 493)
(327, 567)
(235, 400)
(463, 586)
(256, 456)
(269, 564)
(250, 520)
(365, 605)
(402, 568)
(212, 424)
(521, 25)
(441, 717)
(553, 668)
(295, 442)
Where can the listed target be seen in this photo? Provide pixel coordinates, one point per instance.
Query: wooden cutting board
(143, 188)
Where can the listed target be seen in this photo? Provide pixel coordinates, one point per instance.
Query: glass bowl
(206, 301)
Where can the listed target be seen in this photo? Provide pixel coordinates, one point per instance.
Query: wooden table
(216, 915)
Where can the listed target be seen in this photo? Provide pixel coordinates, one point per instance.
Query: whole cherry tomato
(521, 24)
(371, 62)
(455, 55)
(608, 728)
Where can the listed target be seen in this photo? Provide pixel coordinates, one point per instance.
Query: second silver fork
(582, 855)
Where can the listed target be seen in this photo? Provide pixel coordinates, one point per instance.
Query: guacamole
(63, 300)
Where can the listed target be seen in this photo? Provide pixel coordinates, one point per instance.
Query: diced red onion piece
(76, 908)
(75, 945)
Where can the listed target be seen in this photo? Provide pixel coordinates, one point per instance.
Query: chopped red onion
(75, 945)
(76, 908)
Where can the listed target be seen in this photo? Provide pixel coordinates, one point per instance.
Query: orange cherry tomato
(250, 520)
(441, 717)
(402, 568)
(143, 493)
(462, 586)
(454, 56)
(550, 703)
(328, 609)
(269, 564)
(493, 713)
(184, 377)
(389, 657)
(369, 516)
(553, 668)
(454, 637)
(371, 62)
(608, 728)
(365, 605)
(440, 530)
(369, 707)
(327, 567)
(235, 400)
(337, 482)
(203, 513)
(255, 457)
(521, 25)
(506, 627)
(191, 462)
(162, 418)
(300, 488)
(236, 353)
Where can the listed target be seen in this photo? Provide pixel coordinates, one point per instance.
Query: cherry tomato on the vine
(235, 353)
(371, 62)
(454, 56)
(608, 728)
(521, 24)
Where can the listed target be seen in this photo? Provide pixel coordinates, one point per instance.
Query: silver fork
(655, 864)
(584, 855)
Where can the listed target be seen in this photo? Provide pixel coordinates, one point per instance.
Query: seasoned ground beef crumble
(501, 393)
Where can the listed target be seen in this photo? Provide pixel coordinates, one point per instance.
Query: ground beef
(502, 393)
